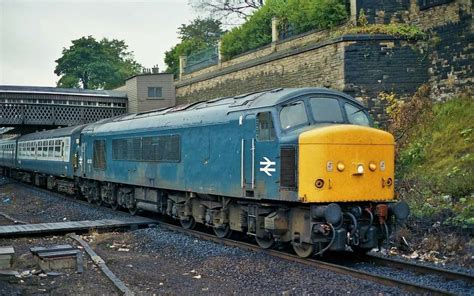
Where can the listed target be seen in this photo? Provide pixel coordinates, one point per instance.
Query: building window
(155, 92)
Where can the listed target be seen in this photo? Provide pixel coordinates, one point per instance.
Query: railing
(201, 59)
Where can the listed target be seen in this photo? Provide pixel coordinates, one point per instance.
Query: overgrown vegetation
(299, 15)
(435, 155)
(198, 35)
(406, 31)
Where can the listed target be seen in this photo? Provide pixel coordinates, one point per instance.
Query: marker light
(360, 169)
(340, 166)
(372, 166)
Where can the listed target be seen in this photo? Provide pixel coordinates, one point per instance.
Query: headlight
(360, 169)
(372, 166)
(340, 166)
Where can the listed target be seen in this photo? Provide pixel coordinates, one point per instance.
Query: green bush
(300, 15)
(436, 162)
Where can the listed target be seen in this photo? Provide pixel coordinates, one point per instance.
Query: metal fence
(201, 59)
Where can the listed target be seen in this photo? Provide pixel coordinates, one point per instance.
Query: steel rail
(417, 268)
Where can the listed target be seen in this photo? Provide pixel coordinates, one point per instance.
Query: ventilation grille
(288, 168)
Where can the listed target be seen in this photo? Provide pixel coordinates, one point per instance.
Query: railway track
(338, 268)
(420, 269)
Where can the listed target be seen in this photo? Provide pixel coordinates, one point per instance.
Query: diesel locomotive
(298, 166)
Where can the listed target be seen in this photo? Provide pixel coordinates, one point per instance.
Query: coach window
(51, 148)
(99, 155)
(265, 128)
(293, 115)
(45, 148)
(57, 148)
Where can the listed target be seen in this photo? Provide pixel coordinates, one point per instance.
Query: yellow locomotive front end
(345, 163)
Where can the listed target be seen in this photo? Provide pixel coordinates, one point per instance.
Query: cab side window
(265, 127)
(356, 115)
(293, 115)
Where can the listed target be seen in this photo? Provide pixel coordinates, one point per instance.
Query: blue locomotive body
(273, 164)
(198, 149)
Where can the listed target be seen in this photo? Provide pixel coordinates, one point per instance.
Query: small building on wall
(149, 91)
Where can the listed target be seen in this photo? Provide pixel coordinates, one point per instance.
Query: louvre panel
(150, 148)
(134, 149)
(99, 154)
(161, 148)
(168, 147)
(119, 149)
(288, 168)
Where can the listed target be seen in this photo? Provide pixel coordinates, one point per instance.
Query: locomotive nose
(345, 163)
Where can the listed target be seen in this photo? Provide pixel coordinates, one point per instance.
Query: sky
(33, 33)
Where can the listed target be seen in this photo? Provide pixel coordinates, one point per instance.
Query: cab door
(247, 154)
(266, 157)
(259, 156)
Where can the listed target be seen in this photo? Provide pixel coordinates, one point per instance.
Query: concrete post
(182, 64)
(275, 33)
(353, 5)
(219, 53)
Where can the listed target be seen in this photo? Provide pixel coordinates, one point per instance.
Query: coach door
(82, 158)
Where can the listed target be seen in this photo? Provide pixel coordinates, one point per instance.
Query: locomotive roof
(54, 133)
(206, 112)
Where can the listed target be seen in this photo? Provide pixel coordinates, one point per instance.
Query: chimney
(155, 69)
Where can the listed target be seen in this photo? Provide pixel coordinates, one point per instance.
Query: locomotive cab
(344, 172)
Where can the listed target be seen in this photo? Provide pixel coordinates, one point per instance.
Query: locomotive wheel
(114, 206)
(265, 242)
(361, 251)
(133, 211)
(98, 202)
(90, 198)
(223, 232)
(303, 250)
(188, 223)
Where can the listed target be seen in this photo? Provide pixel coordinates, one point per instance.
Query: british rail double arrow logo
(266, 166)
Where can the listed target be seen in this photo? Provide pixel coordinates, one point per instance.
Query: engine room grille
(288, 168)
(99, 155)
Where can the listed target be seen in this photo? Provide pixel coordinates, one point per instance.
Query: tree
(93, 64)
(223, 9)
(199, 34)
(208, 30)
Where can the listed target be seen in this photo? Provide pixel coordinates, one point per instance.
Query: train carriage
(49, 158)
(7, 154)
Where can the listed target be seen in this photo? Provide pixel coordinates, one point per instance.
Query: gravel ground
(67, 282)
(39, 206)
(165, 262)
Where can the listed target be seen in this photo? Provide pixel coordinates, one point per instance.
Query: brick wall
(361, 65)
